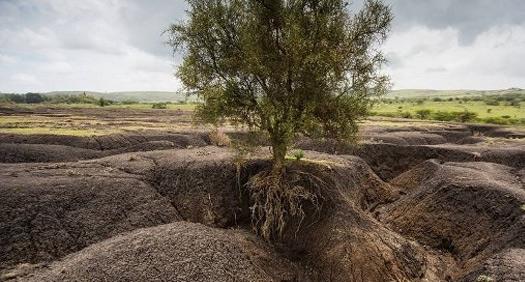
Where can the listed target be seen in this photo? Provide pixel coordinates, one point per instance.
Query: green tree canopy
(285, 67)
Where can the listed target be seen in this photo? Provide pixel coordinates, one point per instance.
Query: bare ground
(410, 203)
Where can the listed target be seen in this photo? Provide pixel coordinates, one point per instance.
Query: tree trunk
(279, 149)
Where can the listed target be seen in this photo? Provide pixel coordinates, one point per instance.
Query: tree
(33, 98)
(284, 67)
(103, 102)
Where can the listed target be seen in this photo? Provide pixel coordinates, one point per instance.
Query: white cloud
(6, 60)
(90, 45)
(434, 58)
(112, 45)
(25, 78)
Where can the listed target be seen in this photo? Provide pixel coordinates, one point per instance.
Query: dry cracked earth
(409, 203)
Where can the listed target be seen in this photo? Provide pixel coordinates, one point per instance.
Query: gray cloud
(469, 17)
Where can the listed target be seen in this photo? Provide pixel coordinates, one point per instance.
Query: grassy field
(480, 108)
(429, 93)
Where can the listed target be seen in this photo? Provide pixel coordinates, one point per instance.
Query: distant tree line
(37, 98)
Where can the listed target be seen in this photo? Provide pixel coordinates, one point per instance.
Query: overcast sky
(116, 45)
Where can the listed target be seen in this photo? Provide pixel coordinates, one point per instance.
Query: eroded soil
(418, 202)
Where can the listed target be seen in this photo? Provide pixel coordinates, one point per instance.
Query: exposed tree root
(282, 201)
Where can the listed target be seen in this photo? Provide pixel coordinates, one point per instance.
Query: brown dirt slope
(508, 265)
(174, 252)
(346, 243)
(27, 153)
(18, 153)
(470, 210)
(105, 142)
(390, 160)
(50, 210)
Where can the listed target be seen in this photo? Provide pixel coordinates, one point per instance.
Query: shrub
(406, 115)
(298, 155)
(129, 102)
(159, 106)
(495, 120)
(103, 102)
(492, 102)
(423, 114)
(465, 116)
(514, 103)
(443, 116)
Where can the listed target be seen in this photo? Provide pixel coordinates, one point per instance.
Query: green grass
(429, 93)
(478, 107)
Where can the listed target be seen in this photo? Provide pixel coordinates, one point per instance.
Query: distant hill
(139, 96)
(421, 93)
(165, 96)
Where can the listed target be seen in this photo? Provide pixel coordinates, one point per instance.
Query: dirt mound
(429, 134)
(204, 184)
(50, 139)
(470, 140)
(407, 138)
(388, 160)
(51, 210)
(146, 146)
(174, 252)
(470, 210)
(452, 135)
(44, 148)
(514, 157)
(105, 142)
(20, 153)
(118, 141)
(508, 265)
(495, 131)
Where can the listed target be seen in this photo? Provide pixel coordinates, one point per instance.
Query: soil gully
(455, 218)
(343, 231)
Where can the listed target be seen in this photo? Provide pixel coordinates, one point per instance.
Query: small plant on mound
(484, 278)
(219, 138)
(298, 155)
(285, 68)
